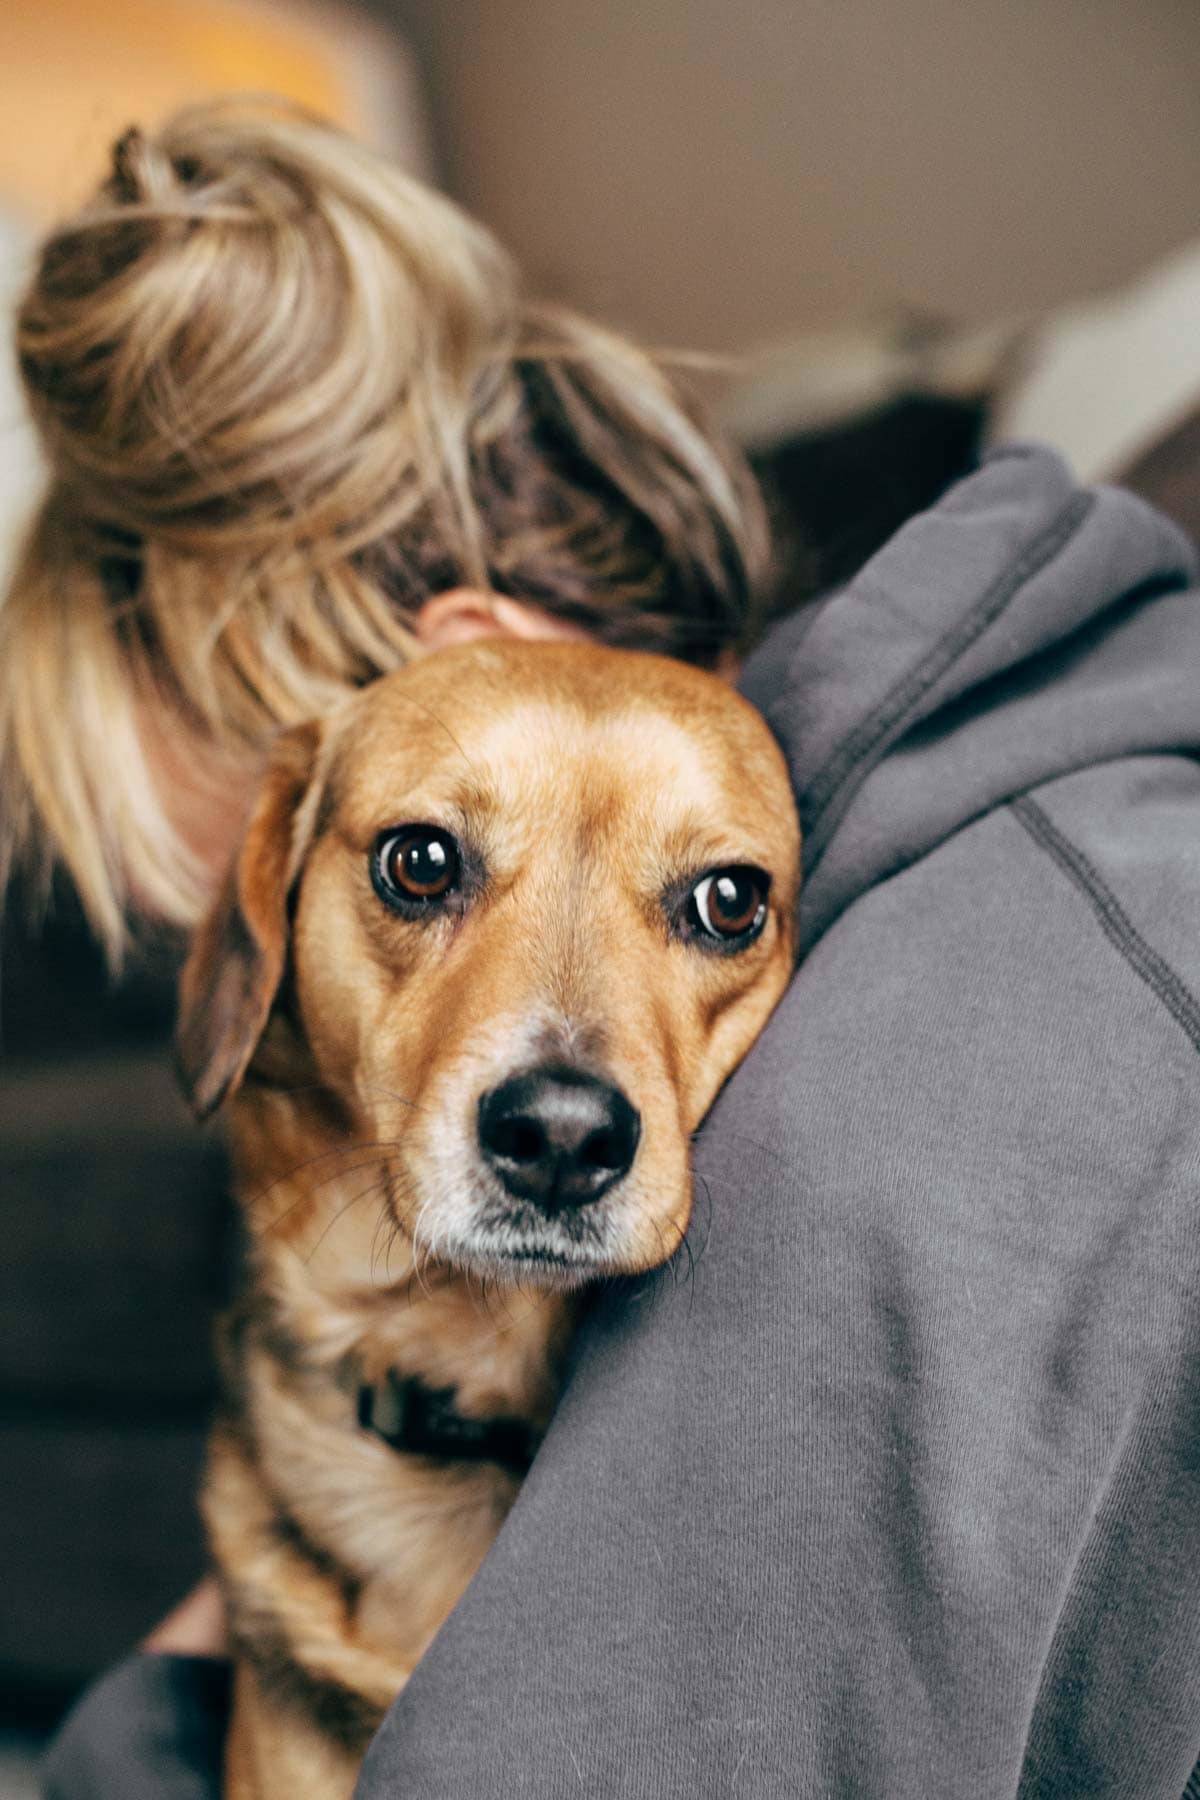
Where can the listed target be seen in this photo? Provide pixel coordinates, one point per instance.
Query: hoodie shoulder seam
(914, 684)
(1114, 921)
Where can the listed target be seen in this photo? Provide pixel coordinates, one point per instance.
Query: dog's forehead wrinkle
(630, 742)
(623, 773)
(390, 706)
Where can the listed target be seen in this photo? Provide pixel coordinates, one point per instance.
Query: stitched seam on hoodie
(915, 683)
(1118, 927)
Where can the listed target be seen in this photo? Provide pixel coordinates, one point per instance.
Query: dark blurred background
(912, 225)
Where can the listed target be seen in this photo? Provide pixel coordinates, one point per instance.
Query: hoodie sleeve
(153, 1728)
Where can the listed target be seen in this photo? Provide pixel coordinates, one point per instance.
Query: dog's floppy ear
(233, 971)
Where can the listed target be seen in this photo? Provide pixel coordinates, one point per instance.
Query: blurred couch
(119, 1247)
(851, 431)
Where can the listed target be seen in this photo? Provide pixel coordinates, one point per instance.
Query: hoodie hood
(1021, 629)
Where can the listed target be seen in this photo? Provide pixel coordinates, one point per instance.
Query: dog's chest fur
(341, 1554)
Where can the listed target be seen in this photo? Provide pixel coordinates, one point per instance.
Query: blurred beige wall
(719, 172)
(74, 74)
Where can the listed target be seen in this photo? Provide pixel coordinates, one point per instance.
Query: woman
(900, 1495)
(290, 396)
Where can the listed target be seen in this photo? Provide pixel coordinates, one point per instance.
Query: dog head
(505, 923)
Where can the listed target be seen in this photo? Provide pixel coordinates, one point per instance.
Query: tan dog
(496, 935)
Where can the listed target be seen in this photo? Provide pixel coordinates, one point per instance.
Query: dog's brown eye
(730, 905)
(416, 865)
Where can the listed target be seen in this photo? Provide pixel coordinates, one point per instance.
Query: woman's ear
(236, 962)
(462, 615)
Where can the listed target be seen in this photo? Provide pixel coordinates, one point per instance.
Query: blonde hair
(287, 393)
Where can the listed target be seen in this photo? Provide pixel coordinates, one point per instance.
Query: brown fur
(354, 1046)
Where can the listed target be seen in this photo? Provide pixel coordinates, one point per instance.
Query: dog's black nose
(558, 1137)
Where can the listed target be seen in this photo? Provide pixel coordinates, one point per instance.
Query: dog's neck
(348, 1298)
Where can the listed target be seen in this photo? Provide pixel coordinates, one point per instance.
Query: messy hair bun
(286, 394)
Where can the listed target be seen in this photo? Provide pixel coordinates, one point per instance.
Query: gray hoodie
(894, 1490)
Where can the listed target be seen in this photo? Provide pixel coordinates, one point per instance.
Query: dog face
(524, 907)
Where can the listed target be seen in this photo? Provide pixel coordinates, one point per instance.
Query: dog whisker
(421, 1245)
(442, 726)
(357, 1148)
(372, 1187)
(310, 1193)
(384, 1236)
(326, 1087)
(673, 1260)
(491, 1290)
(697, 1175)
(381, 1225)
(744, 1138)
(388, 1232)
(684, 1249)
(378, 1087)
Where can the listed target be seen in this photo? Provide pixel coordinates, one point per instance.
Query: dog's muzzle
(558, 1137)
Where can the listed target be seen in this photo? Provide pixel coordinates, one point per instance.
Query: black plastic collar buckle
(424, 1421)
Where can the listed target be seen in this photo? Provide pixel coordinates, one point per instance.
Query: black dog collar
(424, 1421)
